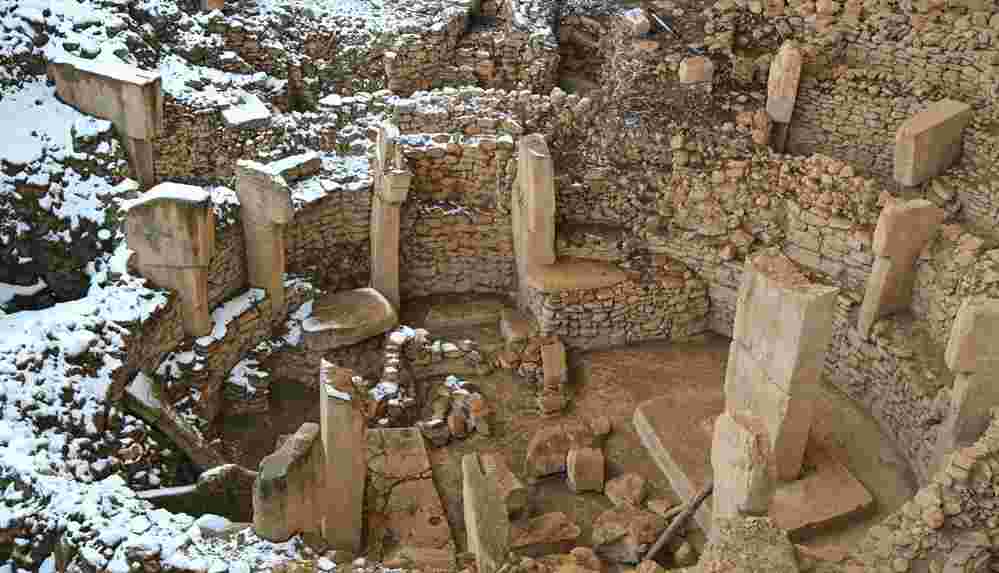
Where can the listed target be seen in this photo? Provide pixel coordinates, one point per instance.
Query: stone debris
(624, 534)
(749, 544)
(548, 450)
(627, 490)
(486, 517)
(585, 469)
(511, 489)
(544, 535)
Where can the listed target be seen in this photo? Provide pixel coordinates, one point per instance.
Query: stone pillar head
(973, 345)
(263, 195)
(387, 155)
(171, 228)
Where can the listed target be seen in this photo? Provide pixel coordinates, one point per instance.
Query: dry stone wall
(329, 239)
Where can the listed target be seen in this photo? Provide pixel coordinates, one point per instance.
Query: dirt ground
(607, 382)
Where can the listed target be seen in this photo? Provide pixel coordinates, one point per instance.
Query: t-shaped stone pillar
(345, 458)
(265, 202)
(903, 230)
(973, 355)
(782, 91)
(533, 208)
(930, 141)
(392, 179)
(171, 228)
(783, 326)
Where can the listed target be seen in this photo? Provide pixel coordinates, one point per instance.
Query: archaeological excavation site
(499, 286)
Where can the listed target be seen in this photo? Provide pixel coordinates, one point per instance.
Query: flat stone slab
(676, 429)
(461, 314)
(574, 274)
(406, 521)
(348, 317)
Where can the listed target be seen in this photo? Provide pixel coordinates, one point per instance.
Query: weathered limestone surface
(782, 84)
(544, 535)
(286, 494)
(973, 355)
(171, 228)
(265, 202)
(585, 469)
(742, 465)
(929, 142)
(344, 447)
(511, 488)
(533, 207)
(750, 545)
(344, 318)
(392, 180)
(485, 515)
(783, 326)
(696, 69)
(903, 230)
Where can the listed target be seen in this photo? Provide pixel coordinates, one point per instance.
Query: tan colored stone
(511, 489)
(627, 490)
(782, 85)
(485, 516)
(696, 69)
(348, 317)
(742, 466)
(636, 22)
(171, 228)
(930, 141)
(265, 207)
(544, 535)
(392, 181)
(344, 446)
(585, 469)
(548, 450)
(556, 370)
(289, 486)
(973, 345)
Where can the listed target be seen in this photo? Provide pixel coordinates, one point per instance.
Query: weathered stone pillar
(265, 202)
(344, 448)
(533, 208)
(742, 466)
(132, 99)
(392, 179)
(286, 491)
(973, 355)
(782, 91)
(486, 517)
(171, 228)
(903, 230)
(783, 326)
(930, 141)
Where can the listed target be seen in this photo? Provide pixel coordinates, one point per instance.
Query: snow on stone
(172, 191)
(241, 374)
(249, 111)
(9, 291)
(142, 390)
(33, 121)
(229, 311)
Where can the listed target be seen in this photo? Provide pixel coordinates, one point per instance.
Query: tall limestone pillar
(171, 228)
(345, 458)
(533, 208)
(392, 179)
(265, 202)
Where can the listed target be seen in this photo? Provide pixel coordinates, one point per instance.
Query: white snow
(228, 311)
(169, 191)
(33, 121)
(141, 389)
(248, 111)
(8, 291)
(110, 69)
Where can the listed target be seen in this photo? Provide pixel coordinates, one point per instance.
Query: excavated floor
(608, 382)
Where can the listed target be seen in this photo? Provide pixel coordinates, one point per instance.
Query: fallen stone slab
(250, 112)
(287, 488)
(930, 141)
(347, 317)
(548, 450)
(543, 535)
(405, 516)
(511, 489)
(486, 518)
(676, 429)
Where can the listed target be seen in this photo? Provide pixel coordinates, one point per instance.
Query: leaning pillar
(783, 327)
(171, 228)
(533, 208)
(973, 355)
(345, 458)
(741, 465)
(265, 208)
(903, 230)
(392, 180)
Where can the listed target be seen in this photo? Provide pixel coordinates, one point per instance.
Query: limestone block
(585, 469)
(972, 399)
(248, 112)
(171, 228)
(512, 490)
(973, 345)
(288, 487)
(636, 22)
(132, 99)
(344, 448)
(787, 416)
(696, 69)
(348, 317)
(297, 167)
(625, 533)
(784, 321)
(535, 175)
(556, 370)
(742, 466)
(782, 85)
(548, 450)
(629, 490)
(265, 206)
(902, 232)
(930, 141)
(486, 518)
(385, 226)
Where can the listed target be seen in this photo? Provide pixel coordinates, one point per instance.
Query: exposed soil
(608, 382)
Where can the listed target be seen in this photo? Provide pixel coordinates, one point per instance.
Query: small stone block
(585, 469)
